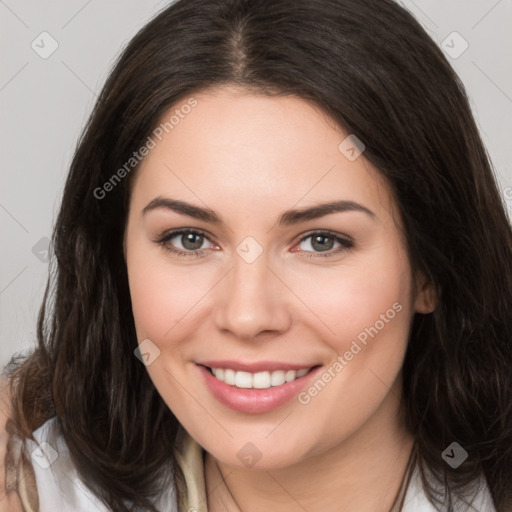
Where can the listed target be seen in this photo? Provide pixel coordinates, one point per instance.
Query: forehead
(245, 150)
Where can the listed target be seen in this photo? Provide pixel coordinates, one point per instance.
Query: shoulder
(9, 499)
(478, 498)
(39, 475)
(17, 482)
(59, 485)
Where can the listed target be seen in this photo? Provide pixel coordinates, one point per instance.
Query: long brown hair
(373, 69)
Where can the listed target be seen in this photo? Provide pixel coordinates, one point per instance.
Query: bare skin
(250, 157)
(8, 502)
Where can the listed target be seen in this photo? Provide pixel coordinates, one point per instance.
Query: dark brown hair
(373, 69)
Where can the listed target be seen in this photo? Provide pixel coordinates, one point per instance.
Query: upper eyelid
(167, 235)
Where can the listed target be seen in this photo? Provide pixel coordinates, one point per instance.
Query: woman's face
(259, 282)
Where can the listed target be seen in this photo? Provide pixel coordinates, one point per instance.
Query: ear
(426, 297)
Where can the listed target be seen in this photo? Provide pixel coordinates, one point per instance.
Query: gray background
(45, 103)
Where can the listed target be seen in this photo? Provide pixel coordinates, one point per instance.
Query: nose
(253, 300)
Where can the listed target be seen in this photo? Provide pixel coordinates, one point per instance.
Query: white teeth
(229, 377)
(259, 380)
(277, 378)
(290, 375)
(243, 380)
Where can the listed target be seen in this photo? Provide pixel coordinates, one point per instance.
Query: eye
(191, 241)
(323, 242)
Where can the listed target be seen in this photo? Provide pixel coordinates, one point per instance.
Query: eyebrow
(288, 218)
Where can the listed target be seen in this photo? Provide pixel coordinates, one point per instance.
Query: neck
(363, 473)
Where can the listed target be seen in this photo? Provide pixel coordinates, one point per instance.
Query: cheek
(351, 298)
(163, 295)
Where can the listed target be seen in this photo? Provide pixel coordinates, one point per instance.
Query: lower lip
(254, 401)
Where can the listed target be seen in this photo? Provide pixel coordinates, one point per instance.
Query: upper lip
(259, 366)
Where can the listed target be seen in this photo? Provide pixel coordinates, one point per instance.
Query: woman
(283, 278)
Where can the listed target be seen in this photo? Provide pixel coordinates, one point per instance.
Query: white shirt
(61, 489)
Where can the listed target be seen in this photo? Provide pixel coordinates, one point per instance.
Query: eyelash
(346, 243)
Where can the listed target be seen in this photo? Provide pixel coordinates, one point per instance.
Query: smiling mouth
(258, 380)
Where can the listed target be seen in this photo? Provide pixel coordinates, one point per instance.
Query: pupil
(189, 238)
(323, 246)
